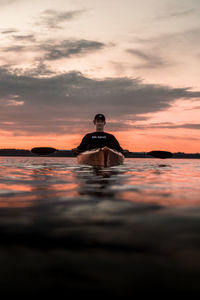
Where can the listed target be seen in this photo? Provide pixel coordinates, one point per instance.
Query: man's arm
(114, 144)
(83, 145)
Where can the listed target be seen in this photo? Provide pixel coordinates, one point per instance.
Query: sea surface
(69, 229)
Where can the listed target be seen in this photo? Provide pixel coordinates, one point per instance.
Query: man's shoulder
(86, 135)
(105, 133)
(99, 133)
(90, 133)
(109, 134)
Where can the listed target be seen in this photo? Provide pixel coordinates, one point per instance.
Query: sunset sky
(137, 62)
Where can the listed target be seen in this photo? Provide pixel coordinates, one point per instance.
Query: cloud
(172, 42)
(150, 60)
(181, 38)
(14, 48)
(55, 19)
(186, 125)
(57, 103)
(52, 50)
(167, 50)
(28, 37)
(177, 13)
(7, 2)
(125, 126)
(167, 125)
(9, 31)
(19, 42)
(39, 69)
(68, 48)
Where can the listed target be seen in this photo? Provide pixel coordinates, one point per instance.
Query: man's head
(99, 121)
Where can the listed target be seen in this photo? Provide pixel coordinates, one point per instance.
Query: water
(27, 181)
(67, 227)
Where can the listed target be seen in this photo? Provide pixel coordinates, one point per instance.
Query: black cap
(99, 117)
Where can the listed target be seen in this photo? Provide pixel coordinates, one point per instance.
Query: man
(99, 138)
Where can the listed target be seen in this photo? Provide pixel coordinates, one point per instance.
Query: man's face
(99, 124)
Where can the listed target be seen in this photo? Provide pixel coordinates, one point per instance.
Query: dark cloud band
(45, 100)
(56, 19)
(69, 48)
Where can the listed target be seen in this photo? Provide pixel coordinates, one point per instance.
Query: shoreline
(128, 156)
(70, 153)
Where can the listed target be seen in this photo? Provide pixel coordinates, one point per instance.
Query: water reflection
(98, 182)
(49, 184)
(26, 181)
(109, 231)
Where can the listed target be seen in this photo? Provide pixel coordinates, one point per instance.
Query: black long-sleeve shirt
(99, 140)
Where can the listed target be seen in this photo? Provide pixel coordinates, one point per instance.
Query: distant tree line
(22, 152)
(15, 152)
(186, 155)
(175, 155)
(69, 153)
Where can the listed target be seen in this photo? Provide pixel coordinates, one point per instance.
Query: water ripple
(174, 182)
